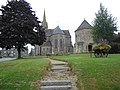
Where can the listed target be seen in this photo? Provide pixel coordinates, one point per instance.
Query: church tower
(44, 22)
(83, 38)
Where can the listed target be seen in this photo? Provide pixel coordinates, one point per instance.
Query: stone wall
(83, 38)
(60, 49)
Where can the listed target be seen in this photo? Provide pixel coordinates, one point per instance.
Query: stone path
(59, 77)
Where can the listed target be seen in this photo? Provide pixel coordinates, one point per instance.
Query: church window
(47, 49)
(61, 44)
(56, 43)
(43, 49)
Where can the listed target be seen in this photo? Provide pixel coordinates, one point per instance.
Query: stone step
(58, 69)
(66, 87)
(55, 82)
(59, 66)
(53, 62)
(59, 63)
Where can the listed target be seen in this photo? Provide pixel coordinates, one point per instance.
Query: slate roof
(84, 25)
(67, 33)
(48, 32)
(47, 43)
(57, 30)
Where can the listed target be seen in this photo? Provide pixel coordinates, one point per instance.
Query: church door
(89, 48)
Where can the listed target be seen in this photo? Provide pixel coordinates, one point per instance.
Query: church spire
(44, 22)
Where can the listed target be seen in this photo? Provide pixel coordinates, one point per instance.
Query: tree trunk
(19, 52)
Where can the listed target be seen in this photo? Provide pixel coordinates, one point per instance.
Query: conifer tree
(104, 25)
(19, 26)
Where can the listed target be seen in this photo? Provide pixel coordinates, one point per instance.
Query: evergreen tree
(19, 26)
(104, 25)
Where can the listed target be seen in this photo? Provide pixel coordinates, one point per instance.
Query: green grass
(95, 73)
(22, 74)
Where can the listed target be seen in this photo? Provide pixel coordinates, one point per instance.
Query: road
(6, 59)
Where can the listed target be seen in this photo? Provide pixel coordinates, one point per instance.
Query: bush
(115, 48)
(102, 46)
(0, 56)
(48, 54)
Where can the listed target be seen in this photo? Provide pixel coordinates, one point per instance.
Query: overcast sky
(69, 14)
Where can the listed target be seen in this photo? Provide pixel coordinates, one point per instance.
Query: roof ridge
(84, 25)
(57, 30)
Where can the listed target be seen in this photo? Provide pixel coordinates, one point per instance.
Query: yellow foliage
(102, 46)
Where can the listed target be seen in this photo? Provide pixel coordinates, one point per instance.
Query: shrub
(48, 54)
(0, 56)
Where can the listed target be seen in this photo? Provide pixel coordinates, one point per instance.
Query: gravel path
(59, 77)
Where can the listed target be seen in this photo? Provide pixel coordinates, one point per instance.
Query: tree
(104, 25)
(115, 43)
(20, 26)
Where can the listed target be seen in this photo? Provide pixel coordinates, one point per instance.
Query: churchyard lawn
(95, 73)
(22, 74)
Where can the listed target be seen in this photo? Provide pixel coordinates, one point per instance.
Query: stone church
(83, 38)
(57, 41)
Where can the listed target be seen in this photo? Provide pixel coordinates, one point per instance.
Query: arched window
(61, 43)
(56, 43)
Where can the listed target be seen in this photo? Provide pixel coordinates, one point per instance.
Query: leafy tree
(115, 43)
(19, 26)
(104, 25)
(117, 38)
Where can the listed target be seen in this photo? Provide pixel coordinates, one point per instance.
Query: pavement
(6, 59)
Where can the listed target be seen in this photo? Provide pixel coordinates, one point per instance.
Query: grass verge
(22, 74)
(95, 73)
